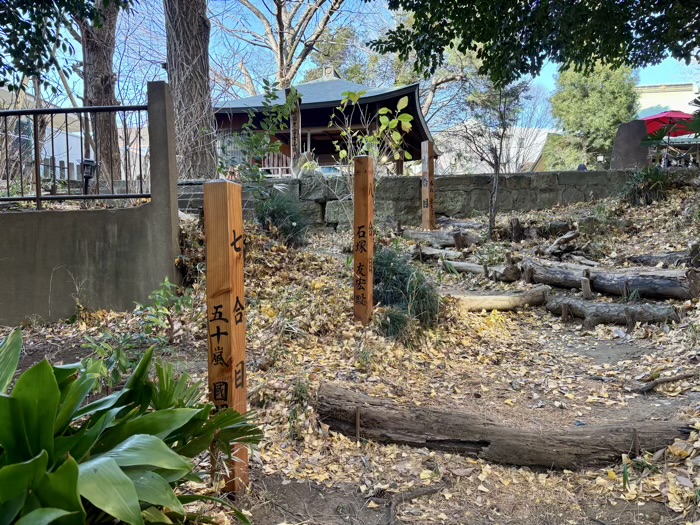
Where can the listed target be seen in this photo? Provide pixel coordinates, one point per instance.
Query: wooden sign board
(428, 186)
(363, 246)
(226, 317)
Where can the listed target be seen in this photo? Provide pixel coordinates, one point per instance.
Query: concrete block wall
(397, 199)
(102, 258)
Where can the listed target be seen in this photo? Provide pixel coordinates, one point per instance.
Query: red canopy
(656, 122)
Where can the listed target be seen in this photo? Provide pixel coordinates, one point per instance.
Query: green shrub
(394, 322)
(158, 318)
(647, 185)
(111, 358)
(399, 284)
(281, 215)
(117, 459)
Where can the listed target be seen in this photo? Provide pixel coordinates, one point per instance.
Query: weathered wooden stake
(363, 247)
(586, 285)
(226, 318)
(428, 186)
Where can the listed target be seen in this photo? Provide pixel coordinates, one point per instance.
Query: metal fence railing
(74, 154)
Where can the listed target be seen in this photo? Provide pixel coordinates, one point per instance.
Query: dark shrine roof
(319, 100)
(318, 93)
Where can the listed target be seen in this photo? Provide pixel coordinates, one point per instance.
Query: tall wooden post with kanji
(427, 186)
(226, 318)
(363, 246)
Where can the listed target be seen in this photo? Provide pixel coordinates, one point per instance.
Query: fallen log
(443, 238)
(477, 301)
(689, 258)
(384, 421)
(558, 244)
(653, 283)
(466, 225)
(594, 313)
(516, 231)
(502, 272)
(426, 252)
(663, 380)
(577, 258)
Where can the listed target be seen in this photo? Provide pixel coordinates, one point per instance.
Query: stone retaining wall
(397, 199)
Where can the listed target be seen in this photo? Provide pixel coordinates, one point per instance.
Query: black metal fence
(74, 154)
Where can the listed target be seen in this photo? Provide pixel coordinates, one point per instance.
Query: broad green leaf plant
(67, 461)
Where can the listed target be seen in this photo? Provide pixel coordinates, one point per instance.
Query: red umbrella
(656, 122)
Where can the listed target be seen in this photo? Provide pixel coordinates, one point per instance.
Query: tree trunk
(651, 283)
(477, 301)
(595, 313)
(100, 83)
(187, 31)
(493, 202)
(384, 421)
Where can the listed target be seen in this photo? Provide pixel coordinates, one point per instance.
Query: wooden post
(428, 186)
(294, 132)
(363, 246)
(226, 318)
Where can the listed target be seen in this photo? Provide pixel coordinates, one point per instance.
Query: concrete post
(161, 131)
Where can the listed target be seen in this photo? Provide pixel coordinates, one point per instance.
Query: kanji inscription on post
(363, 247)
(223, 221)
(427, 186)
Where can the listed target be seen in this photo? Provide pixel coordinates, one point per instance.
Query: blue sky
(669, 71)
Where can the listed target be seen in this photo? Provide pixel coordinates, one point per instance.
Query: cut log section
(443, 239)
(384, 421)
(426, 252)
(503, 272)
(652, 283)
(595, 313)
(477, 301)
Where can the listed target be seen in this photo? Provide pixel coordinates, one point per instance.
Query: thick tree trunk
(595, 313)
(100, 82)
(652, 283)
(187, 29)
(477, 301)
(384, 421)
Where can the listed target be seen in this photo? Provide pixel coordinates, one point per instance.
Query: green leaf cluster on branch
(379, 135)
(66, 460)
(514, 38)
(258, 136)
(29, 33)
